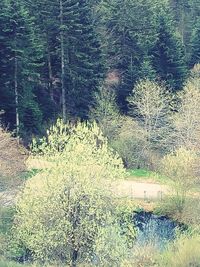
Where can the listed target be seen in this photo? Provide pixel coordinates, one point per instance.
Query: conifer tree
(72, 54)
(181, 11)
(7, 101)
(45, 15)
(20, 61)
(146, 69)
(132, 31)
(195, 45)
(168, 54)
(83, 65)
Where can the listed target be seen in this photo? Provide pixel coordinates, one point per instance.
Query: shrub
(66, 212)
(125, 217)
(106, 112)
(130, 143)
(191, 212)
(144, 256)
(181, 166)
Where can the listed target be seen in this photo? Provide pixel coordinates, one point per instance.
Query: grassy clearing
(184, 252)
(5, 263)
(10, 264)
(147, 176)
(139, 173)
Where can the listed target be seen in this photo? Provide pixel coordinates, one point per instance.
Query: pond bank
(155, 230)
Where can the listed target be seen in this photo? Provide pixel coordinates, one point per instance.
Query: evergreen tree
(181, 10)
(54, 54)
(7, 102)
(195, 45)
(20, 67)
(83, 65)
(195, 10)
(131, 29)
(185, 14)
(146, 69)
(72, 53)
(46, 16)
(168, 54)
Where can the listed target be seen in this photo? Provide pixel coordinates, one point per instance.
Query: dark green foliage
(168, 54)
(30, 36)
(82, 53)
(6, 92)
(185, 16)
(135, 39)
(83, 57)
(131, 31)
(146, 69)
(195, 45)
(21, 59)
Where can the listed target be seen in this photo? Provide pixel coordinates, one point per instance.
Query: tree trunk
(50, 83)
(16, 95)
(64, 113)
(74, 257)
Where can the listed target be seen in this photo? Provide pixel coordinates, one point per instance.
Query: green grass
(5, 263)
(184, 252)
(9, 264)
(6, 215)
(145, 175)
(140, 173)
(29, 174)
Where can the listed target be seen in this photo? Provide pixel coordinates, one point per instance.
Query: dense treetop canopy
(56, 55)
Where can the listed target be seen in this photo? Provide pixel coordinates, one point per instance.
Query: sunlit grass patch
(142, 174)
(184, 252)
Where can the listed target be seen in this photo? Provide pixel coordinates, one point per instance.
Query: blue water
(154, 230)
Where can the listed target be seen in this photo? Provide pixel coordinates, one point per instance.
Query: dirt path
(124, 188)
(141, 190)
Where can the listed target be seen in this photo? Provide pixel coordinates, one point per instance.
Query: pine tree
(20, 61)
(131, 30)
(195, 45)
(83, 63)
(7, 102)
(168, 54)
(72, 54)
(146, 69)
(185, 15)
(181, 10)
(46, 18)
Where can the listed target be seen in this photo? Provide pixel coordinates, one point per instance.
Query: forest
(56, 55)
(100, 133)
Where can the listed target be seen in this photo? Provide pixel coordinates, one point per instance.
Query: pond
(154, 230)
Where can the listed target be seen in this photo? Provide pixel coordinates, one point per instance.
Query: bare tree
(149, 103)
(187, 120)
